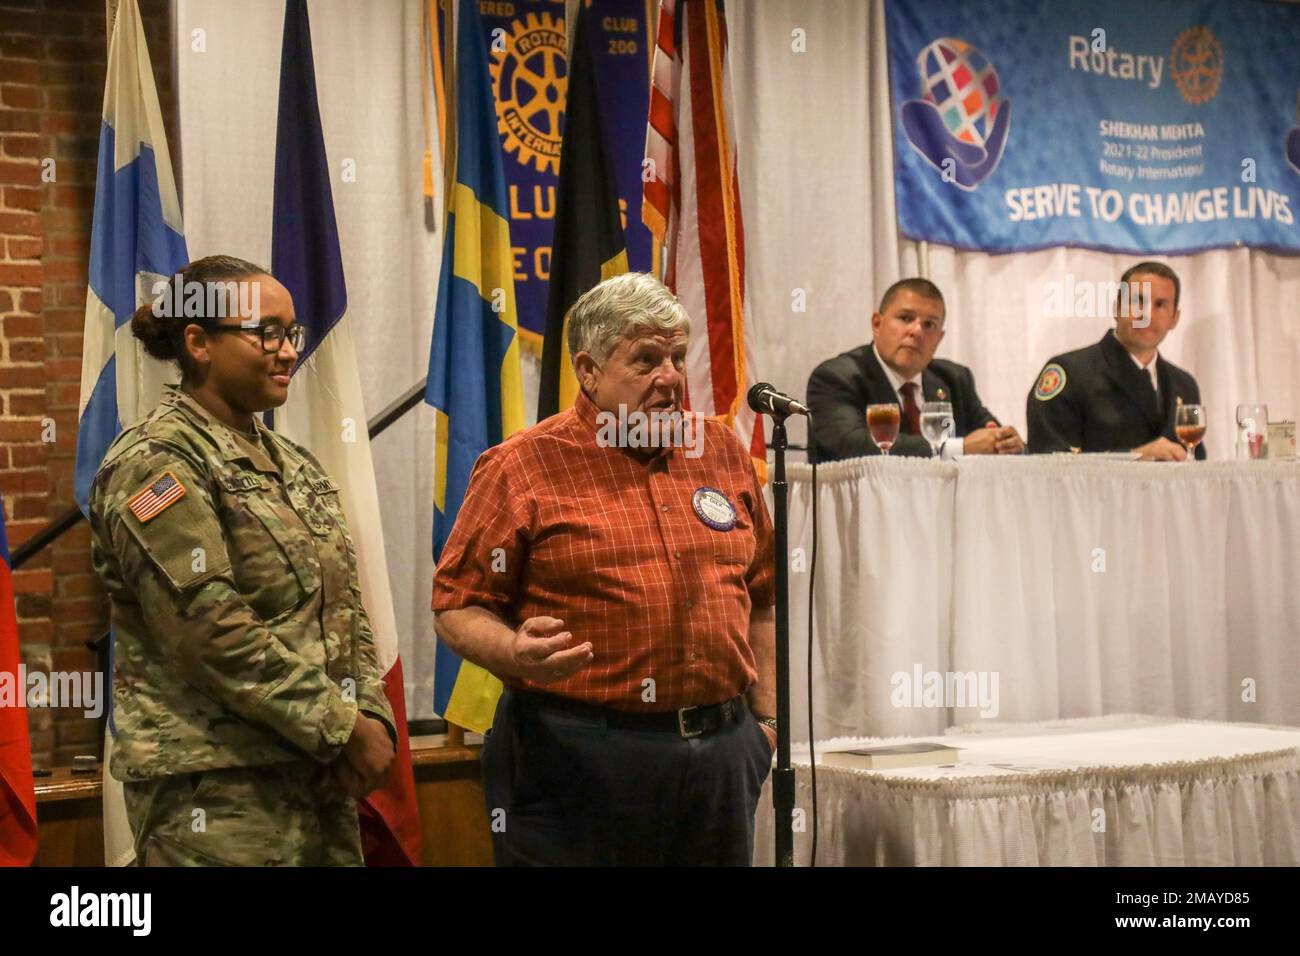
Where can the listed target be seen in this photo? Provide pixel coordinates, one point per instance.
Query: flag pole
(110, 16)
(455, 736)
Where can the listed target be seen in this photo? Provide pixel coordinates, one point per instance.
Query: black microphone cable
(812, 581)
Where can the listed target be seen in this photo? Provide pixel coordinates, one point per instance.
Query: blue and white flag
(136, 238)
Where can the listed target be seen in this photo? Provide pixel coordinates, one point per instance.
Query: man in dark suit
(1120, 394)
(899, 366)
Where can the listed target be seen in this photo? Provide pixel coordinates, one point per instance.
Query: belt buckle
(681, 724)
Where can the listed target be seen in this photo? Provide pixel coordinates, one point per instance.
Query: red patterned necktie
(911, 411)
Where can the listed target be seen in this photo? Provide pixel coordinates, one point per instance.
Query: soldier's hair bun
(159, 330)
(153, 332)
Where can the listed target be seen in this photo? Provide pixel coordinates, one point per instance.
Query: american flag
(157, 497)
(692, 205)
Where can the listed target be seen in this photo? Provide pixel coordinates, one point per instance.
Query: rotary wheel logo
(1196, 64)
(529, 80)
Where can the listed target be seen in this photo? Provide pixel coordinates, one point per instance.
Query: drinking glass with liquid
(937, 424)
(1252, 431)
(1189, 426)
(882, 421)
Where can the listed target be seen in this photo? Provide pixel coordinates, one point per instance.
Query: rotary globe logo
(1196, 64)
(529, 80)
(961, 122)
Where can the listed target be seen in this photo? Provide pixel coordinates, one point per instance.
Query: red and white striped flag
(692, 205)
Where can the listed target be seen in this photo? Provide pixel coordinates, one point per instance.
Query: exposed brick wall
(53, 56)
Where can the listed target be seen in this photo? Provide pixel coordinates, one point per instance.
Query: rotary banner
(527, 59)
(1168, 127)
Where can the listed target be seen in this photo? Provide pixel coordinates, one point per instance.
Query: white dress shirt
(1150, 369)
(954, 447)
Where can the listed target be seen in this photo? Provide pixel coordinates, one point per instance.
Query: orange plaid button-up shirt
(610, 543)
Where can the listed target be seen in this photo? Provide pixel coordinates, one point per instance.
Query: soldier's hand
(1162, 449)
(543, 651)
(348, 780)
(369, 751)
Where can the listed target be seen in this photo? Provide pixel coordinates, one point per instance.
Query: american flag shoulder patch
(160, 495)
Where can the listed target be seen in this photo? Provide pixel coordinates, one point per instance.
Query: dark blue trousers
(569, 790)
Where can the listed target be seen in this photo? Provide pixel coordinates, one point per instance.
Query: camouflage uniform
(242, 651)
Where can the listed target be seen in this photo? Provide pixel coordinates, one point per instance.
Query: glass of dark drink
(1189, 426)
(882, 421)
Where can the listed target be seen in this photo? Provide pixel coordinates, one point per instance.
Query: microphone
(766, 400)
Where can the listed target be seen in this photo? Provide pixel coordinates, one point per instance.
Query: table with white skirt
(1122, 790)
(1029, 588)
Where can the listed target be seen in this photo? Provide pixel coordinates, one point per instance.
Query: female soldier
(249, 710)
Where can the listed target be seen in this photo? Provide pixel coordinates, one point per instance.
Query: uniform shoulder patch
(159, 495)
(1050, 383)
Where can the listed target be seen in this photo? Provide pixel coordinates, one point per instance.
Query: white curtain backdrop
(815, 151)
(368, 75)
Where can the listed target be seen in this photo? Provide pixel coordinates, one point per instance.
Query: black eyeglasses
(272, 334)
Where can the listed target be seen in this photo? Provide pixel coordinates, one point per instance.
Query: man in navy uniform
(1119, 394)
(899, 366)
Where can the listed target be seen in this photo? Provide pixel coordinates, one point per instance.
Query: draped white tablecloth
(1113, 791)
(1080, 586)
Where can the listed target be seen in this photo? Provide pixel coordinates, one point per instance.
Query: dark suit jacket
(841, 388)
(1107, 403)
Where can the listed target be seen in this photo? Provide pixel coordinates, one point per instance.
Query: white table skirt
(1117, 791)
(874, 615)
(1081, 586)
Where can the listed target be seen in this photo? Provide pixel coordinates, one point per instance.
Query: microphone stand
(783, 778)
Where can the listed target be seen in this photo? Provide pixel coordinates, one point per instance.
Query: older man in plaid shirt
(618, 577)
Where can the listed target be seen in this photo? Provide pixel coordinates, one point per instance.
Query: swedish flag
(474, 383)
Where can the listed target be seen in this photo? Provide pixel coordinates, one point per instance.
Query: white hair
(620, 306)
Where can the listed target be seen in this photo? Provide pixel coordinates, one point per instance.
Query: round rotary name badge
(713, 508)
(1050, 383)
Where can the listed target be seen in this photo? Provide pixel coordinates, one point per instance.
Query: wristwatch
(769, 721)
